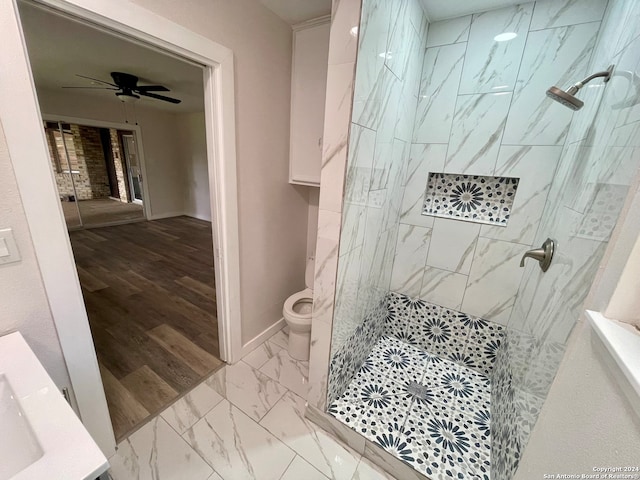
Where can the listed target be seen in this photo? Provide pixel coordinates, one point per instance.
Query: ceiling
(59, 48)
(443, 9)
(297, 11)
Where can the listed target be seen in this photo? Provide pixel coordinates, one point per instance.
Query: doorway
(50, 241)
(148, 284)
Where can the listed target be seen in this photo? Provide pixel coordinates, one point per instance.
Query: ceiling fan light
(127, 97)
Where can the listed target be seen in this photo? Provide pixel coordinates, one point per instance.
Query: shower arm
(605, 73)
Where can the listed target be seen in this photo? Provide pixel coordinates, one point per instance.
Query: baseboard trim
(259, 339)
(160, 216)
(199, 217)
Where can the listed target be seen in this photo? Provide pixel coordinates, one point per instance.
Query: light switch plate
(8, 249)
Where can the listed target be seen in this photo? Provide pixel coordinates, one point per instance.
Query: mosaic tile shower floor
(428, 411)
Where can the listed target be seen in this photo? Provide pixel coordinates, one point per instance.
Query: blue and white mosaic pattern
(455, 336)
(474, 198)
(430, 412)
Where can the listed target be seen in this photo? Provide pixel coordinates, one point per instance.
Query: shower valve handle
(542, 255)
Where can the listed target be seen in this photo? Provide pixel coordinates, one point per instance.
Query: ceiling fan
(127, 88)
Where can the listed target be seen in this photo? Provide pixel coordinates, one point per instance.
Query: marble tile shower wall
(482, 110)
(392, 39)
(599, 162)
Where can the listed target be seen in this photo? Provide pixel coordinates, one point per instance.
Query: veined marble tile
(326, 265)
(300, 469)
(441, 71)
(248, 389)
(443, 287)
(400, 31)
(191, 408)
(262, 354)
(353, 219)
(419, 20)
(319, 359)
(408, 97)
(348, 283)
(370, 69)
(237, 447)
(279, 339)
(493, 280)
(475, 136)
(492, 66)
(368, 471)
(422, 160)
(338, 106)
(536, 167)
(289, 372)
(382, 110)
(446, 32)
(215, 476)
(409, 260)
(560, 13)
(343, 44)
(554, 56)
(157, 451)
(287, 422)
(452, 245)
(360, 164)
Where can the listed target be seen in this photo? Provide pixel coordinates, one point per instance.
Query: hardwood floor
(150, 294)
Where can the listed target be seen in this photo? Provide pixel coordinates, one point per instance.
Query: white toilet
(297, 313)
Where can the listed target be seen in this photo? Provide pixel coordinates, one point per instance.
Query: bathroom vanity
(41, 435)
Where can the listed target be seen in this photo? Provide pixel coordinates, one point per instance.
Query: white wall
(273, 214)
(586, 422)
(192, 155)
(23, 300)
(159, 140)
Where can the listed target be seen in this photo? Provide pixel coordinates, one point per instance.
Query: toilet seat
(290, 314)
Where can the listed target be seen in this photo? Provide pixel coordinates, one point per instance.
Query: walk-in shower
(443, 348)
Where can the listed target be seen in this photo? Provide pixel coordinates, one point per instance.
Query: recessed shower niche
(474, 198)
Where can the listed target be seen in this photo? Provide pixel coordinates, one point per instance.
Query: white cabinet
(308, 89)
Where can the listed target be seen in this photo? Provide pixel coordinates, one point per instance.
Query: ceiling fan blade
(99, 88)
(160, 97)
(152, 88)
(96, 80)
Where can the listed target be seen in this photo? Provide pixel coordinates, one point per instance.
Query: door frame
(22, 124)
(125, 154)
(137, 134)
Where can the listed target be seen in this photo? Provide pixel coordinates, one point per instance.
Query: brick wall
(118, 160)
(93, 180)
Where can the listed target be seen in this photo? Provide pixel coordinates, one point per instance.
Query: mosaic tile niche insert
(424, 392)
(473, 198)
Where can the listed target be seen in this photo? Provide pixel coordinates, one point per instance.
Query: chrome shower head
(567, 97)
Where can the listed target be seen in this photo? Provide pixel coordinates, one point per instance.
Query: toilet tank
(309, 273)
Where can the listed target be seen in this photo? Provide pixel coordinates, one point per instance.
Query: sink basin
(40, 435)
(19, 447)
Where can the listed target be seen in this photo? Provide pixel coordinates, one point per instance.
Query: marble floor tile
(261, 355)
(287, 371)
(287, 422)
(237, 447)
(154, 452)
(191, 408)
(368, 471)
(251, 391)
(302, 470)
(280, 338)
(215, 476)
